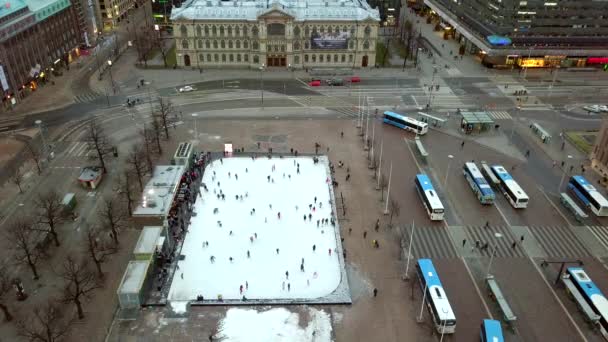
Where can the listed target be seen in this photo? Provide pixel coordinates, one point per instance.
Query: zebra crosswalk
(478, 236)
(76, 149)
(499, 115)
(600, 233)
(87, 97)
(559, 241)
(430, 242)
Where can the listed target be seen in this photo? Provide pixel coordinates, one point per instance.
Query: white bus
(405, 122)
(430, 199)
(437, 301)
(512, 191)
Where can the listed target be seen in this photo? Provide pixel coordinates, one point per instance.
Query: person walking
(365, 234)
(375, 292)
(464, 242)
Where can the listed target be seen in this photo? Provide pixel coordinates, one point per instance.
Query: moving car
(186, 89)
(596, 108)
(355, 79)
(335, 82)
(314, 83)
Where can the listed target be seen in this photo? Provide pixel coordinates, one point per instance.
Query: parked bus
(588, 195)
(478, 183)
(406, 123)
(491, 331)
(486, 171)
(512, 191)
(437, 302)
(592, 295)
(429, 197)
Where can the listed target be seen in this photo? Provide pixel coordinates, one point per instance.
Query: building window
(184, 44)
(366, 45)
(207, 44)
(322, 30)
(230, 44)
(352, 31)
(344, 29)
(367, 31)
(216, 58)
(320, 58)
(183, 30)
(275, 29)
(230, 30)
(246, 57)
(200, 44)
(238, 57)
(269, 48)
(199, 31)
(283, 48)
(328, 58)
(231, 57)
(245, 31)
(237, 31)
(335, 58)
(306, 32)
(246, 44)
(222, 31)
(305, 58)
(223, 44)
(351, 44)
(296, 46)
(343, 58)
(214, 30)
(208, 57)
(254, 31)
(206, 31)
(215, 44)
(296, 59)
(350, 58)
(224, 57)
(255, 46)
(314, 58)
(337, 29)
(256, 59)
(238, 44)
(201, 57)
(276, 48)
(306, 46)
(296, 31)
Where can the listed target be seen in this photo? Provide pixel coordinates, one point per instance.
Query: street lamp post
(111, 79)
(447, 172)
(388, 189)
(262, 83)
(409, 252)
(555, 70)
(526, 69)
(417, 52)
(432, 87)
(497, 236)
(194, 115)
(39, 124)
(564, 174)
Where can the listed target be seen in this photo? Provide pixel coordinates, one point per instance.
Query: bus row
(444, 318)
(502, 181)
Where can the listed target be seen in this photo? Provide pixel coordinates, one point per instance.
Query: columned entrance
(276, 61)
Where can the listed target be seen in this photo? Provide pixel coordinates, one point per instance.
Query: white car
(186, 89)
(594, 108)
(603, 108)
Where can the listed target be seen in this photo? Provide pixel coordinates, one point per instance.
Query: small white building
(132, 289)
(159, 194)
(151, 240)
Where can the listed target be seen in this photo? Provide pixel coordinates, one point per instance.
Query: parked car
(314, 83)
(335, 82)
(186, 89)
(593, 108)
(355, 79)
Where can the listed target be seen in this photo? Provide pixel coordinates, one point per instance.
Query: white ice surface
(265, 270)
(273, 325)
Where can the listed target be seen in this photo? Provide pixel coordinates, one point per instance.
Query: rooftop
(147, 240)
(301, 10)
(159, 192)
(11, 6)
(134, 276)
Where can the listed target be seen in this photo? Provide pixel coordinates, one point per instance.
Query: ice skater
(212, 259)
(277, 251)
(241, 289)
(228, 174)
(246, 285)
(283, 286)
(268, 178)
(251, 239)
(330, 252)
(302, 267)
(315, 199)
(304, 218)
(249, 254)
(219, 223)
(236, 177)
(279, 215)
(230, 233)
(256, 235)
(286, 274)
(309, 217)
(288, 286)
(318, 223)
(314, 248)
(231, 260)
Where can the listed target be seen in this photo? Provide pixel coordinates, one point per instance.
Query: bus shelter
(541, 132)
(430, 119)
(475, 122)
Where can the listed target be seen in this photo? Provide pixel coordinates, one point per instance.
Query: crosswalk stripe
(431, 242)
(73, 147)
(559, 241)
(500, 115)
(503, 245)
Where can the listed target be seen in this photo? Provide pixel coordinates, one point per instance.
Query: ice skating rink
(229, 226)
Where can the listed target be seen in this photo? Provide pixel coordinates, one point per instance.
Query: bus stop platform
(476, 122)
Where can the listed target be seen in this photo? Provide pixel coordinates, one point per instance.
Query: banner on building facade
(329, 41)
(3, 79)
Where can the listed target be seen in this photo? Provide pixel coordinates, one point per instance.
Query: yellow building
(291, 34)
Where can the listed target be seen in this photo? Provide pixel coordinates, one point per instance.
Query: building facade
(527, 33)
(291, 34)
(37, 38)
(112, 12)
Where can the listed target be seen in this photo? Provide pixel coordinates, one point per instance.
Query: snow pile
(267, 205)
(274, 326)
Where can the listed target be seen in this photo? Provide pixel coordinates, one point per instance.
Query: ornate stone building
(287, 33)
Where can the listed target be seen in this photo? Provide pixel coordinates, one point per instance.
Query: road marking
(73, 147)
(412, 153)
(415, 101)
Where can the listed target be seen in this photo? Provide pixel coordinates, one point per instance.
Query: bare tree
(383, 186)
(136, 161)
(35, 155)
(395, 209)
(46, 324)
(98, 142)
(159, 43)
(146, 137)
(112, 217)
(17, 177)
(125, 184)
(50, 207)
(156, 133)
(5, 287)
(165, 109)
(98, 248)
(80, 281)
(24, 242)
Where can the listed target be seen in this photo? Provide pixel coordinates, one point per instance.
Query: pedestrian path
(559, 241)
(87, 97)
(75, 149)
(600, 233)
(499, 115)
(430, 242)
(483, 240)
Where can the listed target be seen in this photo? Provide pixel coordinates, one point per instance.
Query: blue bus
(592, 294)
(478, 183)
(588, 195)
(491, 331)
(430, 199)
(512, 191)
(436, 299)
(406, 123)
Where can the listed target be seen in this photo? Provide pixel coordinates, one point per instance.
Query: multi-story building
(279, 33)
(114, 11)
(37, 37)
(527, 33)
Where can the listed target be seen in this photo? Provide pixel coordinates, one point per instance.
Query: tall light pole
(497, 236)
(564, 173)
(555, 70)
(419, 318)
(445, 322)
(39, 124)
(409, 252)
(262, 83)
(388, 191)
(194, 115)
(380, 166)
(447, 172)
(366, 139)
(111, 79)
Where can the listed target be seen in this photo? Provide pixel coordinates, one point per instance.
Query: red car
(314, 83)
(355, 79)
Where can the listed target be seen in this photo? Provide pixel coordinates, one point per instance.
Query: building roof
(11, 6)
(90, 173)
(134, 276)
(300, 10)
(159, 192)
(146, 244)
(476, 118)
